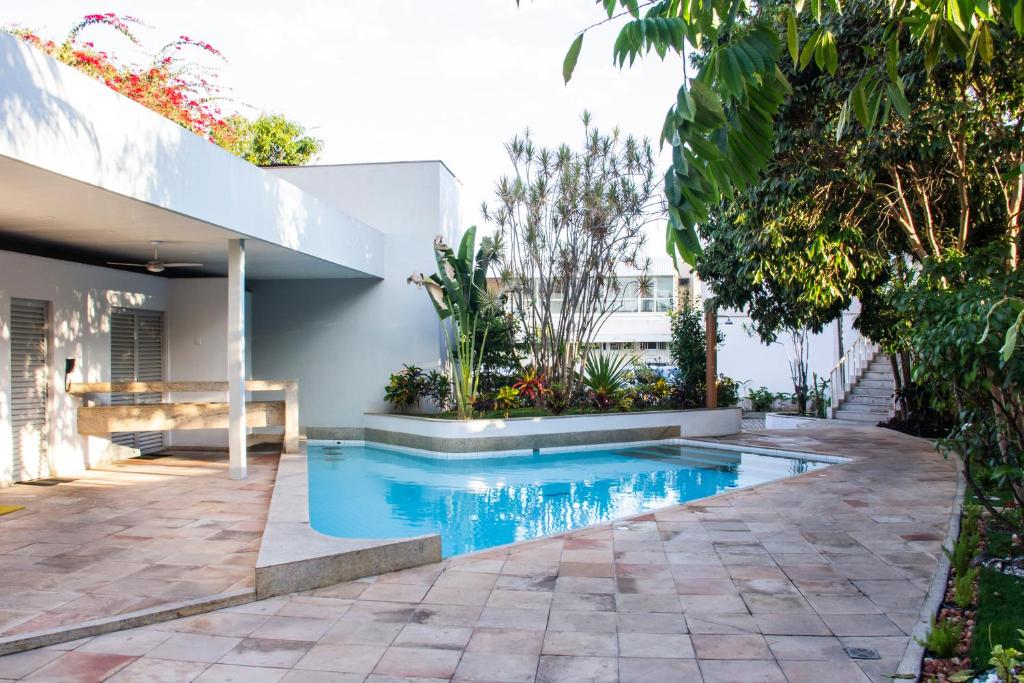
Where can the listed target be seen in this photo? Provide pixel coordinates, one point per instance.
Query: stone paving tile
(129, 535)
(765, 584)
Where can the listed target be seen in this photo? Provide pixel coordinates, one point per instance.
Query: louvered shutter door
(136, 354)
(29, 380)
(149, 367)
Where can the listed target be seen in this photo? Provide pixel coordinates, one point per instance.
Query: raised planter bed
(462, 437)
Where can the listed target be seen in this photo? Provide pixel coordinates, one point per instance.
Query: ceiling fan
(155, 265)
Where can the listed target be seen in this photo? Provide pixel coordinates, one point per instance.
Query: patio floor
(133, 535)
(765, 584)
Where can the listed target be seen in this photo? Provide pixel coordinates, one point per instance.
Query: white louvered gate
(137, 355)
(30, 377)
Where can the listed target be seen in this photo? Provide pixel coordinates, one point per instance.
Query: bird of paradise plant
(458, 291)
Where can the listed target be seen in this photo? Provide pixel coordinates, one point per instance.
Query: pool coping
(295, 557)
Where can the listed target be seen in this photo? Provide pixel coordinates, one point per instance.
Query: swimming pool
(474, 503)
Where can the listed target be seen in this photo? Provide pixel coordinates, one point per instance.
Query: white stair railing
(848, 370)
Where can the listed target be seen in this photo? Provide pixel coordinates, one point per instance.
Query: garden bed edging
(462, 437)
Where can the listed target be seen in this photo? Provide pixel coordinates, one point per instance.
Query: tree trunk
(902, 399)
(711, 379)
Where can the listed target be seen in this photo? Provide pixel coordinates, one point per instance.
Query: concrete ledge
(913, 657)
(528, 433)
(783, 421)
(294, 557)
(97, 627)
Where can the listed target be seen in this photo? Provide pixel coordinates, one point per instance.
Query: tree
(568, 219)
(687, 348)
(723, 121)
(273, 140)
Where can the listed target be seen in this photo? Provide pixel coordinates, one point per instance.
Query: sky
(401, 80)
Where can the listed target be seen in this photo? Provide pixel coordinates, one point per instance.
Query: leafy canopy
(723, 122)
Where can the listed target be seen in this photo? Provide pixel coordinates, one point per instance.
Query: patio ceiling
(47, 214)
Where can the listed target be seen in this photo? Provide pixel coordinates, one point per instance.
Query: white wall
(81, 298)
(197, 347)
(342, 338)
(744, 357)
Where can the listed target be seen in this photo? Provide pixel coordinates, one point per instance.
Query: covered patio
(89, 178)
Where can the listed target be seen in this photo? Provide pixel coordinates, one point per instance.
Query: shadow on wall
(23, 98)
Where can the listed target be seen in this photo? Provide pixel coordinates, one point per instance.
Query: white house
(302, 277)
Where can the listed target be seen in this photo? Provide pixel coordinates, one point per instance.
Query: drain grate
(862, 653)
(51, 481)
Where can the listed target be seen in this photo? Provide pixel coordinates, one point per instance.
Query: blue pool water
(476, 503)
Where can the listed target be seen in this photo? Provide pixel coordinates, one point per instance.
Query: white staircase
(862, 385)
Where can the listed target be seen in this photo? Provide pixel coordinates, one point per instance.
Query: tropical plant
(406, 387)
(506, 399)
(818, 396)
(458, 291)
(438, 388)
(532, 386)
(605, 376)
(570, 218)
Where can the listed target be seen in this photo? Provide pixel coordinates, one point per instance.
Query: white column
(236, 359)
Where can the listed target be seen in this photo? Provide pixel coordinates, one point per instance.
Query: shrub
(437, 387)
(761, 400)
(406, 387)
(605, 377)
(966, 544)
(506, 399)
(963, 588)
(943, 638)
(728, 391)
(531, 386)
(688, 348)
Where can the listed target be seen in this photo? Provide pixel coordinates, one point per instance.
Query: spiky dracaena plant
(459, 293)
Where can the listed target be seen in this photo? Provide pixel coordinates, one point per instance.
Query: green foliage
(1000, 603)
(963, 588)
(723, 122)
(406, 387)
(506, 399)
(687, 346)
(818, 396)
(728, 391)
(458, 292)
(273, 140)
(965, 548)
(438, 388)
(605, 376)
(953, 298)
(569, 218)
(943, 638)
(532, 386)
(761, 400)
(1007, 662)
(645, 389)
